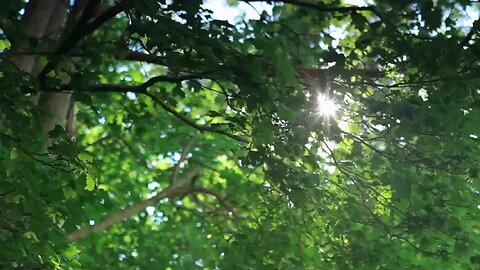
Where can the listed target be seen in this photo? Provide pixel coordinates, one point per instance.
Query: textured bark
(52, 30)
(57, 105)
(54, 104)
(35, 22)
(44, 19)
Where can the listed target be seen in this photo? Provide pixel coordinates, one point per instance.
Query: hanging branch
(142, 89)
(168, 108)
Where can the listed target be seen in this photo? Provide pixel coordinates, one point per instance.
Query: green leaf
(298, 196)
(286, 113)
(31, 236)
(388, 182)
(264, 132)
(71, 252)
(4, 44)
(90, 183)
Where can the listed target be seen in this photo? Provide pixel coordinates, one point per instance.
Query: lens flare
(326, 106)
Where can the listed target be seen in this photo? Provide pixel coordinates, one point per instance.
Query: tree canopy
(146, 134)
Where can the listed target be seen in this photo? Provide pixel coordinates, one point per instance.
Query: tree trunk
(36, 19)
(44, 19)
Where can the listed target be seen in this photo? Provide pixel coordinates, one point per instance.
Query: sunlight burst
(326, 106)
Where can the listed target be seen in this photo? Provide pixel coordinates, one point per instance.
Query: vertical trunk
(55, 104)
(36, 19)
(52, 30)
(44, 19)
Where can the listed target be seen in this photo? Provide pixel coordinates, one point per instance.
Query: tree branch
(226, 203)
(468, 37)
(318, 7)
(142, 89)
(324, 8)
(125, 213)
(143, 57)
(140, 206)
(303, 73)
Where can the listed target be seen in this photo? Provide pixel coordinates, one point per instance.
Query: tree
(148, 135)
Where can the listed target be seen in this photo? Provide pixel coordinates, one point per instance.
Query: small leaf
(264, 132)
(71, 252)
(32, 236)
(136, 75)
(4, 44)
(90, 183)
(214, 114)
(286, 113)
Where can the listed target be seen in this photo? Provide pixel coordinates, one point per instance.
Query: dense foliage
(200, 144)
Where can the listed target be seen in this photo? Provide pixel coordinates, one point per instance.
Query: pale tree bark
(86, 16)
(170, 192)
(53, 29)
(55, 104)
(44, 19)
(35, 22)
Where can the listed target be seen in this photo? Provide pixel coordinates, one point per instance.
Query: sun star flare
(326, 106)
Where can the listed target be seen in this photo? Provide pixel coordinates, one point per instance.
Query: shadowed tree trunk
(44, 21)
